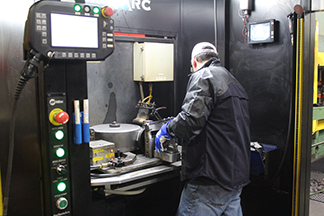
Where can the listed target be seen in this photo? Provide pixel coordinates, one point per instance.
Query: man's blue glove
(161, 136)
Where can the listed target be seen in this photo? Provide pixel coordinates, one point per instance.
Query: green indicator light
(61, 186)
(59, 135)
(96, 10)
(60, 152)
(77, 8)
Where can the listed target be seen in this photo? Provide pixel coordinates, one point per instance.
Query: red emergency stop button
(107, 12)
(58, 117)
(61, 117)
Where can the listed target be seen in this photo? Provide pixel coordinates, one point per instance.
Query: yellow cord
(150, 96)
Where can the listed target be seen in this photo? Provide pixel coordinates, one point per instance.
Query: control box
(70, 31)
(101, 151)
(153, 62)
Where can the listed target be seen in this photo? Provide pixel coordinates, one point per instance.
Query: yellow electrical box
(153, 62)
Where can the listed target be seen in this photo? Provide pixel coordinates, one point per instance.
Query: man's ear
(194, 64)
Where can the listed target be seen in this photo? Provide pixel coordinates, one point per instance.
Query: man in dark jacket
(215, 121)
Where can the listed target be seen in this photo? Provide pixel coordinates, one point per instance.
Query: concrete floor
(316, 208)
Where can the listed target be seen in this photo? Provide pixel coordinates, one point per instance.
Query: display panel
(261, 32)
(74, 31)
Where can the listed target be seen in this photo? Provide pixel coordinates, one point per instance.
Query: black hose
(21, 84)
(27, 72)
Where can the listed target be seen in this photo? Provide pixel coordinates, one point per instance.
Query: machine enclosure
(124, 136)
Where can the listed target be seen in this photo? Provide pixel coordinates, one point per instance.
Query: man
(215, 121)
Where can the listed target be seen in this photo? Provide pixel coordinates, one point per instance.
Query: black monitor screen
(261, 32)
(74, 31)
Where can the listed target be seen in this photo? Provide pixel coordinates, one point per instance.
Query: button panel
(107, 34)
(41, 26)
(59, 154)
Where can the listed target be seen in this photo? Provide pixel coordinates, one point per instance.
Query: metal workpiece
(127, 159)
(151, 128)
(170, 152)
(167, 156)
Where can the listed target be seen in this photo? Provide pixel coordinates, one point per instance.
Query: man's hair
(205, 56)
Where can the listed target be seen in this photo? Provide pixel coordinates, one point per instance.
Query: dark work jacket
(215, 121)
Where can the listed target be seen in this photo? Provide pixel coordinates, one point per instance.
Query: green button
(63, 204)
(59, 135)
(96, 10)
(61, 186)
(60, 152)
(77, 8)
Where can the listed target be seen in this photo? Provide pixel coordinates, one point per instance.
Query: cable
(215, 23)
(10, 159)
(151, 90)
(244, 27)
(126, 193)
(150, 96)
(289, 127)
(26, 73)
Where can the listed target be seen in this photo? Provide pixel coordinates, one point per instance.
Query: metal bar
(143, 39)
(136, 175)
(145, 182)
(316, 144)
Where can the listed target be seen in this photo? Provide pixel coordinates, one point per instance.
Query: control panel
(70, 31)
(58, 154)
